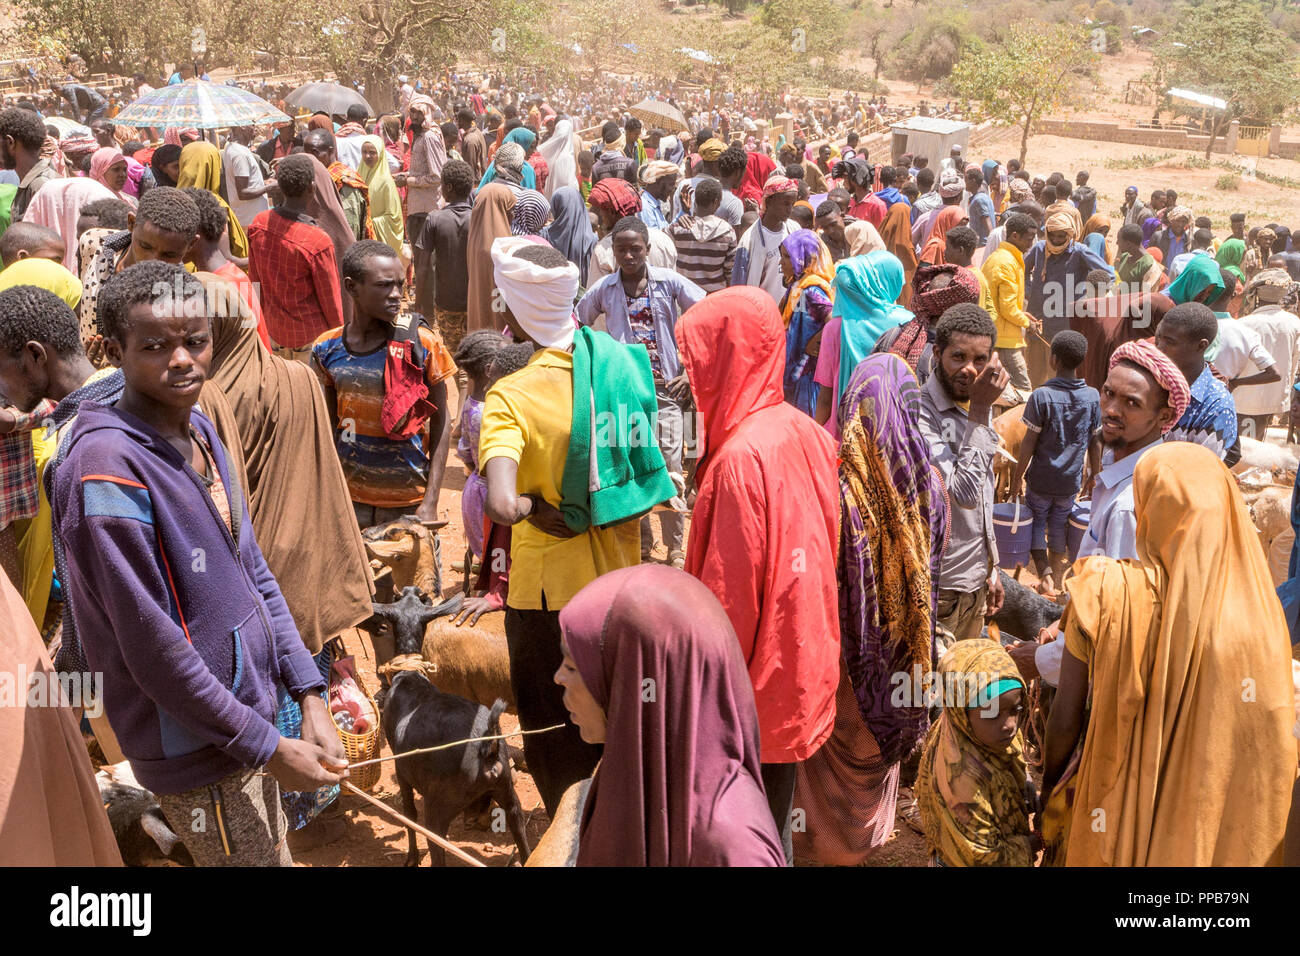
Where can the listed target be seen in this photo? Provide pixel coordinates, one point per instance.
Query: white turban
(657, 169)
(540, 299)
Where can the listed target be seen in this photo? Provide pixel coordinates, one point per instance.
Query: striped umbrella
(200, 105)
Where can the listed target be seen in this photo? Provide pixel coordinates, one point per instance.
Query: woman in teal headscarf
(864, 291)
(525, 139)
(1195, 282)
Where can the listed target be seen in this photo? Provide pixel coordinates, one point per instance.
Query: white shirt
(238, 160)
(1112, 531)
(764, 248)
(1237, 348)
(1279, 331)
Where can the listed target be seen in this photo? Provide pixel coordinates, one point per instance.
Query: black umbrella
(326, 98)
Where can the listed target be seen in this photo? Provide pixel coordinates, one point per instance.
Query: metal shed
(928, 136)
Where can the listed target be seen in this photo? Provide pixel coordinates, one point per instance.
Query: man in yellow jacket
(1004, 271)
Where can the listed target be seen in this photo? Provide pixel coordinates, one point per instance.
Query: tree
(877, 31)
(811, 27)
(1025, 73)
(1230, 50)
(933, 44)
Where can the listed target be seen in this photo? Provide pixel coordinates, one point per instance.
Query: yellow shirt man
(527, 418)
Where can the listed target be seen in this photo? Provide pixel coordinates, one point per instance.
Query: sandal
(677, 559)
(907, 809)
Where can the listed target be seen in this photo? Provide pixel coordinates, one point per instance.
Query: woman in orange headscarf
(936, 244)
(896, 231)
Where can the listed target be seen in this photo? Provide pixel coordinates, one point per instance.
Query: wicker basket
(365, 746)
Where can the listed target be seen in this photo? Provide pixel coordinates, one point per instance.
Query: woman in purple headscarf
(893, 527)
(653, 670)
(808, 271)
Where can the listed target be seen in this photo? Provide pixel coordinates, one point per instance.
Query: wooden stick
(454, 743)
(445, 844)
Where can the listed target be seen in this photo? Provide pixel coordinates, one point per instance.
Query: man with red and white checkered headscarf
(1143, 397)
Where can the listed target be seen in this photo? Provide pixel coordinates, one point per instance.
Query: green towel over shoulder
(614, 470)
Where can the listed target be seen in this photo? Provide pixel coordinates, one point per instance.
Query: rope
(454, 743)
(440, 841)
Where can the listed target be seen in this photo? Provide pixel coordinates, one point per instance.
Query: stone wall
(1136, 135)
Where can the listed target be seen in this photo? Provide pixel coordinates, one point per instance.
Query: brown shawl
(50, 810)
(1109, 322)
(297, 495)
(896, 230)
(489, 220)
(326, 209)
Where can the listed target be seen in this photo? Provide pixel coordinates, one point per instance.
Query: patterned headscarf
(1165, 372)
(1268, 287)
(893, 527)
(813, 266)
(972, 796)
(509, 159)
(615, 195)
(530, 213)
(1019, 190)
(776, 183)
(929, 303)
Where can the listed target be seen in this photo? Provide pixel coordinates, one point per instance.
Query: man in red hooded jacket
(766, 527)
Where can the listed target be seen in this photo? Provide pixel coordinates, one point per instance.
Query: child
(173, 601)
(494, 575)
(973, 789)
(474, 357)
(706, 243)
(1060, 420)
(385, 379)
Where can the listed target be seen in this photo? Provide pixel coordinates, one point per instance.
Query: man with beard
(956, 422)
(1143, 397)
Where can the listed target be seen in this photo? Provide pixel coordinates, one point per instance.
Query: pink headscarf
(102, 160)
(1164, 371)
(173, 135)
(58, 204)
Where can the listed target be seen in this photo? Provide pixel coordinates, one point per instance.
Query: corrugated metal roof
(1200, 99)
(930, 124)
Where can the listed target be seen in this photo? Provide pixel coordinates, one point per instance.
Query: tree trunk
(379, 90)
(1024, 140)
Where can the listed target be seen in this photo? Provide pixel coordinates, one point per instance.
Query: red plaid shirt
(19, 492)
(291, 261)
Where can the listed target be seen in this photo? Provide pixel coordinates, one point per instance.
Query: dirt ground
(363, 835)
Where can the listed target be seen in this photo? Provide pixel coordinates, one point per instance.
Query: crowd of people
(223, 361)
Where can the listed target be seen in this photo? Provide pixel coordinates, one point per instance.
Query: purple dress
(475, 494)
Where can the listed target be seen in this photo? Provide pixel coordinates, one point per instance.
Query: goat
(415, 715)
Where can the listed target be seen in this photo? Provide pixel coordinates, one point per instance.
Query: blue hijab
(866, 288)
(570, 229)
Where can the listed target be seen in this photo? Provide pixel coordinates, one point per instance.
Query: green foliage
(812, 27)
(1025, 73)
(933, 45)
(1228, 181)
(1229, 49)
(1138, 161)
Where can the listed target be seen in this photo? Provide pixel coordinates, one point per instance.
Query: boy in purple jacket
(172, 599)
